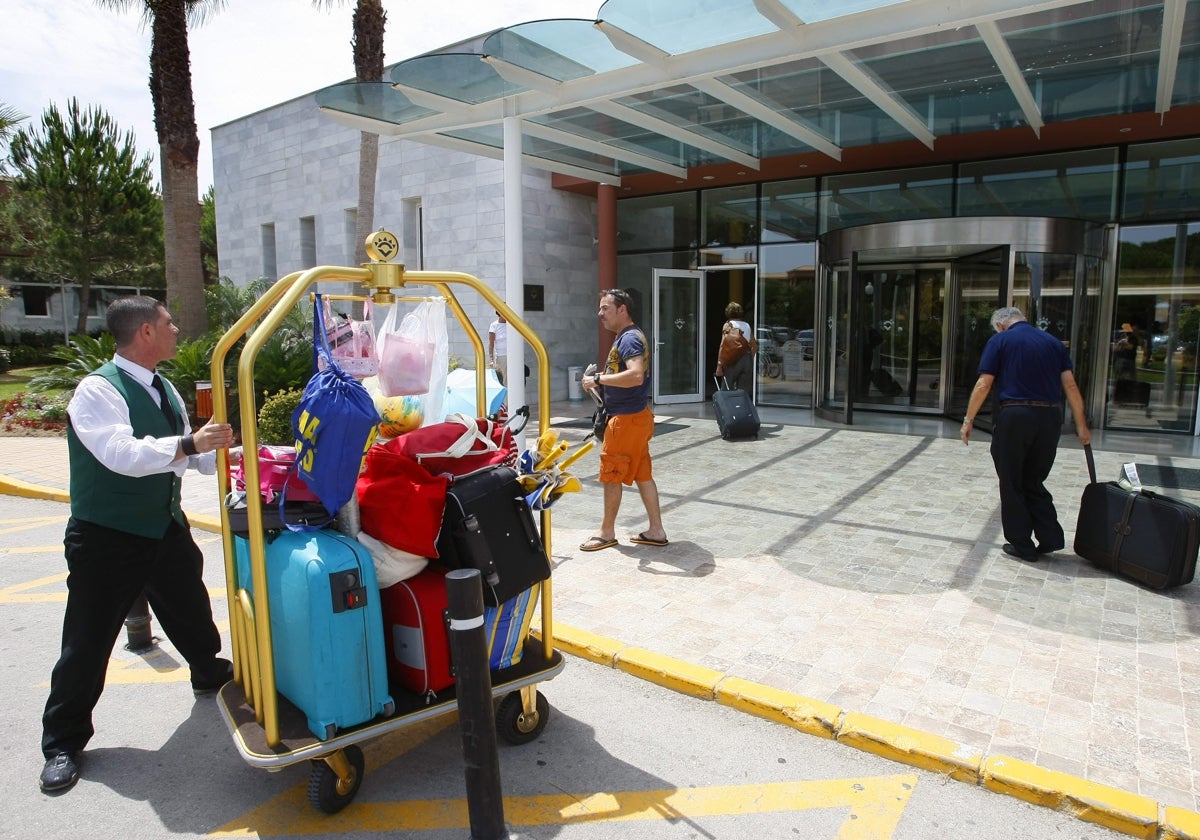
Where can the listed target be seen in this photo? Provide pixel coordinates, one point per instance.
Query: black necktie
(164, 403)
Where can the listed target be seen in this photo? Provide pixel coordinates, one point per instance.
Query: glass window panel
(729, 216)
(1187, 74)
(787, 314)
(376, 100)
(622, 135)
(1076, 185)
(635, 274)
(679, 28)
(949, 78)
(814, 94)
(465, 77)
(789, 210)
(562, 49)
(1162, 181)
(1081, 63)
(657, 222)
(711, 118)
(812, 11)
(1153, 368)
(868, 198)
(35, 301)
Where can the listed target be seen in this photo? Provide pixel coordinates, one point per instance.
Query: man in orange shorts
(625, 456)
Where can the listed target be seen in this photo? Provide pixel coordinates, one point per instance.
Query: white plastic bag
(407, 349)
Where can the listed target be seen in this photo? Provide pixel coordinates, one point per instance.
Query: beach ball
(398, 415)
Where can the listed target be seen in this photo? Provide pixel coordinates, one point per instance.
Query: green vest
(143, 506)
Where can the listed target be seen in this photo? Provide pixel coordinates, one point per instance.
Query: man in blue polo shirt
(1031, 370)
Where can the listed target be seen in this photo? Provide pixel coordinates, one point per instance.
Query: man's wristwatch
(596, 378)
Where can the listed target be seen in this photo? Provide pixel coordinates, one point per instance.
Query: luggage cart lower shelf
(338, 763)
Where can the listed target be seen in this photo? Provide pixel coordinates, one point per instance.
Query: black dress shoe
(207, 683)
(60, 773)
(1012, 551)
(1049, 549)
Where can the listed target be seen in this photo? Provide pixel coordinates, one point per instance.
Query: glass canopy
(668, 85)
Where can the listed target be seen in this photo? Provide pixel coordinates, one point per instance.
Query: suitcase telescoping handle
(721, 380)
(1091, 462)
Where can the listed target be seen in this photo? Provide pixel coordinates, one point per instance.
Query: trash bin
(574, 383)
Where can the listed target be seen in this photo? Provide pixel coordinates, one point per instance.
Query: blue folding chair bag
(335, 424)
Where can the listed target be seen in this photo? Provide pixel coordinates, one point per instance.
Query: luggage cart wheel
(517, 726)
(334, 779)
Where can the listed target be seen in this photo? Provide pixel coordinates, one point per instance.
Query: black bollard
(139, 636)
(468, 649)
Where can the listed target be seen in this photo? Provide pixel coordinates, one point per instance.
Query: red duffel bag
(400, 502)
(461, 444)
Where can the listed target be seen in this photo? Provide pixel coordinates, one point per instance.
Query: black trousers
(1024, 444)
(107, 569)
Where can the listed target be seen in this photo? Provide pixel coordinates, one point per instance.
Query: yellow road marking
(874, 806)
(19, 593)
(18, 525)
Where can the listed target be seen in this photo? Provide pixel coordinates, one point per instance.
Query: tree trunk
(364, 220)
(179, 153)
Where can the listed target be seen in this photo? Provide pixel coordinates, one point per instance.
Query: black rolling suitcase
(1138, 534)
(737, 416)
(489, 526)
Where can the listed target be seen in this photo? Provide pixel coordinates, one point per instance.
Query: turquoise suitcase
(326, 627)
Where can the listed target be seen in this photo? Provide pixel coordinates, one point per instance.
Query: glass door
(979, 286)
(677, 362)
(901, 359)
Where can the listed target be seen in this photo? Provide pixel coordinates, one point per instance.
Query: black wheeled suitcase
(1141, 535)
(737, 416)
(488, 525)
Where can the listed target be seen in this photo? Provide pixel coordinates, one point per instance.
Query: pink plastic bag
(274, 464)
(406, 351)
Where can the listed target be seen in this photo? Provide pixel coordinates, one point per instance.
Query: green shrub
(275, 417)
(80, 358)
(5, 360)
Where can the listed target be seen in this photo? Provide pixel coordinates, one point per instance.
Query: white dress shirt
(100, 417)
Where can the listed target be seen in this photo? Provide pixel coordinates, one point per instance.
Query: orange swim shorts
(625, 456)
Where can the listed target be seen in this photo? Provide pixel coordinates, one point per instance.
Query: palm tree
(368, 22)
(178, 149)
(10, 117)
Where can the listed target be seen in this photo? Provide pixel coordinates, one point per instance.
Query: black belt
(1035, 403)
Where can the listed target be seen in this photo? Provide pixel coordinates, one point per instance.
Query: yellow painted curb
(204, 522)
(585, 645)
(16, 487)
(1180, 824)
(910, 746)
(669, 672)
(810, 716)
(1126, 812)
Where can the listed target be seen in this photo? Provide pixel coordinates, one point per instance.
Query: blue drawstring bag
(334, 425)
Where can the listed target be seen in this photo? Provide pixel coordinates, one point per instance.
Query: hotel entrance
(907, 307)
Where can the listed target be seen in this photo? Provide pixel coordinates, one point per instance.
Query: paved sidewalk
(864, 570)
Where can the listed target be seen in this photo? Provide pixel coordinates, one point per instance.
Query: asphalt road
(619, 758)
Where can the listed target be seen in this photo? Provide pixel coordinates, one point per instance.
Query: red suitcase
(415, 632)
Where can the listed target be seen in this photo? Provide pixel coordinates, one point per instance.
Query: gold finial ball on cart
(382, 246)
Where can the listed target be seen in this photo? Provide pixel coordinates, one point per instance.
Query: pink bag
(351, 343)
(406, 350)
(274, 465)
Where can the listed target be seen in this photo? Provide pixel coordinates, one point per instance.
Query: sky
(251, 55)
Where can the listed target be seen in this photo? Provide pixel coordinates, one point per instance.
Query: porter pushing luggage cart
(270, 731)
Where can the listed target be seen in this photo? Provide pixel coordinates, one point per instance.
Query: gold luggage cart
(267, 730)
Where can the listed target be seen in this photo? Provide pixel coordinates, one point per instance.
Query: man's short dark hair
(619, 296)
(125, 316)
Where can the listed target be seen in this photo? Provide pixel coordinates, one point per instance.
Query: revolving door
(906, 307)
